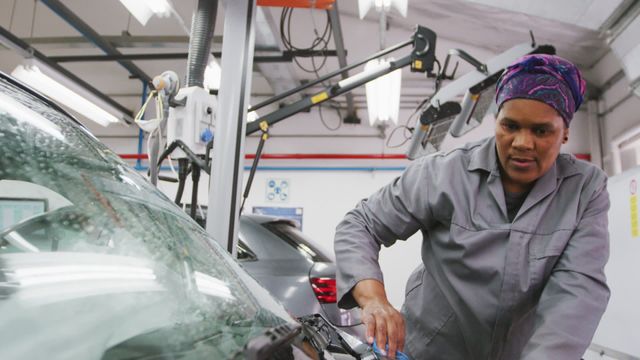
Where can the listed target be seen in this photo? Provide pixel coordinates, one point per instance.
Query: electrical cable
(13, 11)
(406, 127)
(128, 23)
(33, 20)
(325, 124)
(319, 43)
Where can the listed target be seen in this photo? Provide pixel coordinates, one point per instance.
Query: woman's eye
(540, 131)
(511, 127)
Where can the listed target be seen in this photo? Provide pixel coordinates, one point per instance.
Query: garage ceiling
(481, 27)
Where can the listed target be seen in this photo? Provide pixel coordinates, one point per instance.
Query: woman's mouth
(522, 163)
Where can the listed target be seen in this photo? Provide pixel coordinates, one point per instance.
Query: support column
(594, 133)
(225, 185)
(338, 40)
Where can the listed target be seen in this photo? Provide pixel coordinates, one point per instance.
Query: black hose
(183, 170)
(202, 24)
(195, 178)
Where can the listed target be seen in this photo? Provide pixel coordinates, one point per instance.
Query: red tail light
(325, 290)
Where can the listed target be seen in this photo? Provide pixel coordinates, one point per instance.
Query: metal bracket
(481, 67)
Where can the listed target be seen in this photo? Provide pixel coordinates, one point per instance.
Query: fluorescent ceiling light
(64, 91)
(142, 10)
(382, 5)
(383, 94)
(252, 116)
(212, 75)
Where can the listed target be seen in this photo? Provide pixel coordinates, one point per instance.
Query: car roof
(264, 219)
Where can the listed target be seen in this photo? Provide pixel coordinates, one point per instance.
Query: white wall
(618, 328)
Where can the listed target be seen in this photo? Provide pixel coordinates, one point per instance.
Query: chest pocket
(548, 245)
(544, 253)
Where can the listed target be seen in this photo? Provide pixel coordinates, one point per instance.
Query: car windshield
(96, 263)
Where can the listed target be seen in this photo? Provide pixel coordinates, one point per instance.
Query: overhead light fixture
(382, 6)
(142, 10)
(383, 94)
(66, 92)
(212, 74)
(252, 115)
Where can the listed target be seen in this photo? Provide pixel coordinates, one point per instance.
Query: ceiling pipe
(87, 31)
(283, 56)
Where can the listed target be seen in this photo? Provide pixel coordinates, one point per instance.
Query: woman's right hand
(383, 322)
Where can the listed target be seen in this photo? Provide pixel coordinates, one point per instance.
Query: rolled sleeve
(394, 212)
(576, 295)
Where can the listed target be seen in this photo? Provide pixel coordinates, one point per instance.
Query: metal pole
(145, 89)
(228, 150)
(338, 40)
(594, 132)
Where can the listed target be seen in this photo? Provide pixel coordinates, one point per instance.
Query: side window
(295, 240)
(245, 253)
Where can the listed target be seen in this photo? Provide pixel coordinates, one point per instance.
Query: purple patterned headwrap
(547, 78)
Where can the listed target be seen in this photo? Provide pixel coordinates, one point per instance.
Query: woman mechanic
(514, 233)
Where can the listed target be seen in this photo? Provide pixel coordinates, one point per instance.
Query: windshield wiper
(324, 336)
(264, 346)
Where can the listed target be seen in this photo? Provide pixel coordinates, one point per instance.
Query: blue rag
(399, 355)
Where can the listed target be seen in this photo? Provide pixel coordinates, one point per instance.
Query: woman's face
(529, 134)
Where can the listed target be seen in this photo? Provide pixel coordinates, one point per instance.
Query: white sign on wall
(278, 190)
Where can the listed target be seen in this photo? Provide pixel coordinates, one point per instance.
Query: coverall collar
(485, 158)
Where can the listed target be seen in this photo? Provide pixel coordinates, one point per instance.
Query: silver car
(96, 263)
(296, 272)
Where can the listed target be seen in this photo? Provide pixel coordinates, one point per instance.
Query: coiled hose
(202, 25)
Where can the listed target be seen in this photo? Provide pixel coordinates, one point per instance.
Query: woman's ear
(565, 135)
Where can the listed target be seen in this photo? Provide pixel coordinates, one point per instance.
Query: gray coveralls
(488, 288)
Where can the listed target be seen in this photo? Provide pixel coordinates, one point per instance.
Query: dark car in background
(96, 263)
